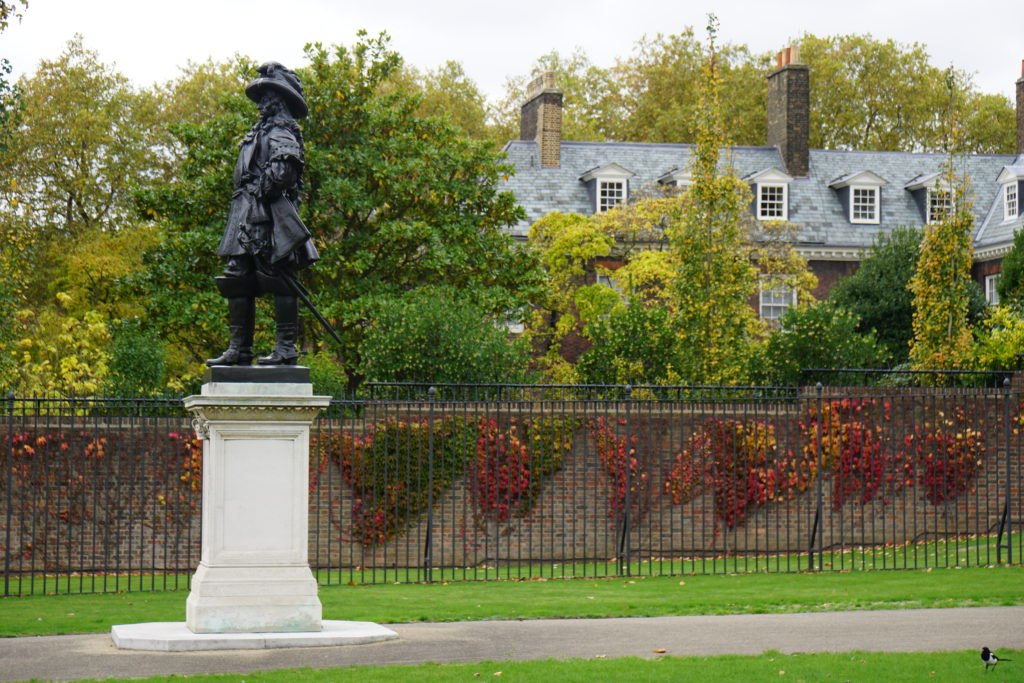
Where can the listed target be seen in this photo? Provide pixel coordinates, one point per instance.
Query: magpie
(990, 658)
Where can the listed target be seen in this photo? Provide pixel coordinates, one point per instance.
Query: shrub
(817, 336)
(438, 335)
(138, 364)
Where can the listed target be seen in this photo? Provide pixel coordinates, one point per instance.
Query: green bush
(632, 345)
(138, 360)
(817, 336)
(438, 335)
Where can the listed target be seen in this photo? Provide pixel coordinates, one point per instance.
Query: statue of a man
(265, 242)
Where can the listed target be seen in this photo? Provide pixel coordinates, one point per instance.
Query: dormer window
(1009, 201)
(608, 186)
(864, 205)
(678, 178)
(860, 194)
(940, 204)
(1011, 179)
(771, 201)
(771, 194)
(933, 196)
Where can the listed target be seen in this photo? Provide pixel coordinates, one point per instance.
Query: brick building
(840, 200)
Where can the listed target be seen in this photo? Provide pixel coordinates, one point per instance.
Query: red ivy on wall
(948, 452)
(500, 472)
(622, 466)
(848, 436)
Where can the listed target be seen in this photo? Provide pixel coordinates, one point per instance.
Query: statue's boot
(241, 324)
(286, 312)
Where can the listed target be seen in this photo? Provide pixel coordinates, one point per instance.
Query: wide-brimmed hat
(275, 77)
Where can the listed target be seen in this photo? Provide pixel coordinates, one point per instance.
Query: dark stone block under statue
(265, 374)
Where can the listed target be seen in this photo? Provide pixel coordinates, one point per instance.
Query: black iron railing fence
(420, 483)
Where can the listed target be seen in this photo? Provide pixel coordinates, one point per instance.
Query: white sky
(149, 40)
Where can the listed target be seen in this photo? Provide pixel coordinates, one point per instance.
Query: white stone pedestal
(253, 588)
(254, 575)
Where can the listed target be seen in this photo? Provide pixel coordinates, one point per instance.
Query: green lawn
(565, 598)
(846, 666)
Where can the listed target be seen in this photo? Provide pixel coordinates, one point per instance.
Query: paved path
(94, 656)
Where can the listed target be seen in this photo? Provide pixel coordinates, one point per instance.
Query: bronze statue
(265, 242)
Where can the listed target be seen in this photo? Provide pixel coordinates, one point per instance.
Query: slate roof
(813, 206)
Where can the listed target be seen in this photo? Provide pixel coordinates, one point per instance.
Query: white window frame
(610, 192)
(932, 199)
(610, 186)
(875, 204)
(774, 288)
(781, 203)
(991, 289)
(1011, 201)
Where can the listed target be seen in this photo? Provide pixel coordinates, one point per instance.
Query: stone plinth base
(253, 600)
(176, 637)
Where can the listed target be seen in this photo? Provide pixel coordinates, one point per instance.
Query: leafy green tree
(82, 146)
(448, 92)
(436, 334)
(820, 335)
(9, 94)
(1011, 284)
(658, 91)
(395, 201)
(883, 95)
(138, 364)
(589, 110)
(633, 344)
(877, 294)
(711, 234)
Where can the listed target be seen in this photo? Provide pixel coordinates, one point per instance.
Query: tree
(633, 344)
(1011, 284)
(657, 90)
(819, 335)
(943, 337)
(566, 246)
(589, 111)
(81, 148)
(440, 335)
(395, 202)
(711, 233)
(448, 92)
(9, 94)
(877, 294)
(883, 95)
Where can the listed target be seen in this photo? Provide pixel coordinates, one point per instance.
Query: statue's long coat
(263, 206)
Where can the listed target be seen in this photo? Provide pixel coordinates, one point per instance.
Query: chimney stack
(1020, 110)
(789, 110)
(541, 119)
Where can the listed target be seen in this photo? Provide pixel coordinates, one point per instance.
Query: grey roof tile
(813, 205)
